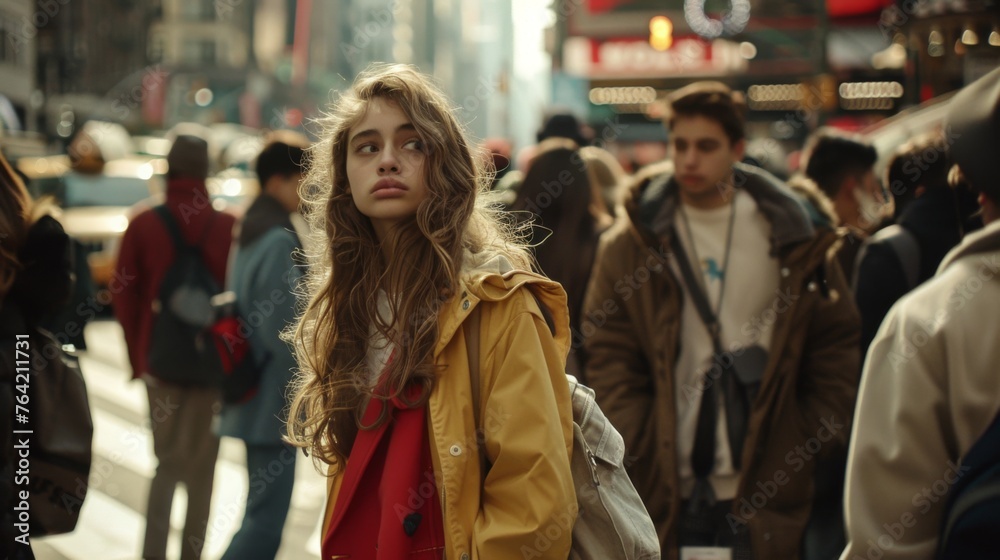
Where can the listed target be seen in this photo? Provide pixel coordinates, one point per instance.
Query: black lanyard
(725, 262)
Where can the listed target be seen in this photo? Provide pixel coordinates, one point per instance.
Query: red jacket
(147, 252)
(388, 507)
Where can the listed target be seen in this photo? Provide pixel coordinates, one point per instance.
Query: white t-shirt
(746, 317)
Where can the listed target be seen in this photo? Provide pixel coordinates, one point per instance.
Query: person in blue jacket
(264, 275)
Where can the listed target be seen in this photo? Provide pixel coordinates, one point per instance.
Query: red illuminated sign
(635, 58)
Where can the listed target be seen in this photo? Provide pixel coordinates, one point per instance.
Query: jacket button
(465, 305)
(455, 450)
(785, 272)
(812, 286)
(465, 556)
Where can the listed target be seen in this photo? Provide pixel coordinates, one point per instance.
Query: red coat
(388, 506)
(147, 252)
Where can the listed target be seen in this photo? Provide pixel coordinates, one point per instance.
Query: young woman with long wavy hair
(406, 250)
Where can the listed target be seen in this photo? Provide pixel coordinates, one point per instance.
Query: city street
(764, 235)
(112, 521)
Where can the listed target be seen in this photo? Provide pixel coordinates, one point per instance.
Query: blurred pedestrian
(36, 280)
(500, 154)
(264, 275)
(568, 216)
(820, 208)
(935, 217)
(557, 124)
(384, 394)
(720, 341)
(562, 123)
(609, 176)
(930, 393)
(181, 416)
(843, 168)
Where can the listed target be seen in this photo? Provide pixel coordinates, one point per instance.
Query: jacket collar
(653, 204)
(986, 240)
(263, 214)
(493, 278)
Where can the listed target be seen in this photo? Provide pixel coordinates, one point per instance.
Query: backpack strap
(175, 231)
(904, 245)
(172, 228)
(697, 296)
(965, 502)
(471, 327)
(978, 484)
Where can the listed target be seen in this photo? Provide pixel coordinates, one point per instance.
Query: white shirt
(379, 347)
(746, 318)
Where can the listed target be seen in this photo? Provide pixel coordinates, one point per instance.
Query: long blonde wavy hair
(347, 268)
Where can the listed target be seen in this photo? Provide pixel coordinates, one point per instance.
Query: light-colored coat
(527, 505)
(930, 388)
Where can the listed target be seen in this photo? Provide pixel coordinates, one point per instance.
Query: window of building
(198, 10)
(13, 44)
(3, 39)
(155, 49)
(199, 52)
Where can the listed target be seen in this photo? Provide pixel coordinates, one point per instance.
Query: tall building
(467, 47)
(91, 56)
(195, 34)
(17, 59)
(473, 59)
(204, 49)
(87, 47)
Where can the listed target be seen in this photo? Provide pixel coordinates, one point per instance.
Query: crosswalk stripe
(111, 433)
(106, 529)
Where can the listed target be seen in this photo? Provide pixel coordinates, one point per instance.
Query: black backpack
(182, 350)
(971, 518)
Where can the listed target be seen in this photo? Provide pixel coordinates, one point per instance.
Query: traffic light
(661, 33)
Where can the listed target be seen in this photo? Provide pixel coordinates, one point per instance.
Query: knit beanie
(188, 157)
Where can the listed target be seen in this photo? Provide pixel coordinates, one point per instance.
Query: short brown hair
(831, 156)
(713, 100)
(921, 162)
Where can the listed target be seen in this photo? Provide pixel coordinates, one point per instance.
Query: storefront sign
(635, 58)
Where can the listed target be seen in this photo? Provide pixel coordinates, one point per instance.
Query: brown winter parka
(631, 332)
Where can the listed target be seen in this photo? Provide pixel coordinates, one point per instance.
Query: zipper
(593, 467)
